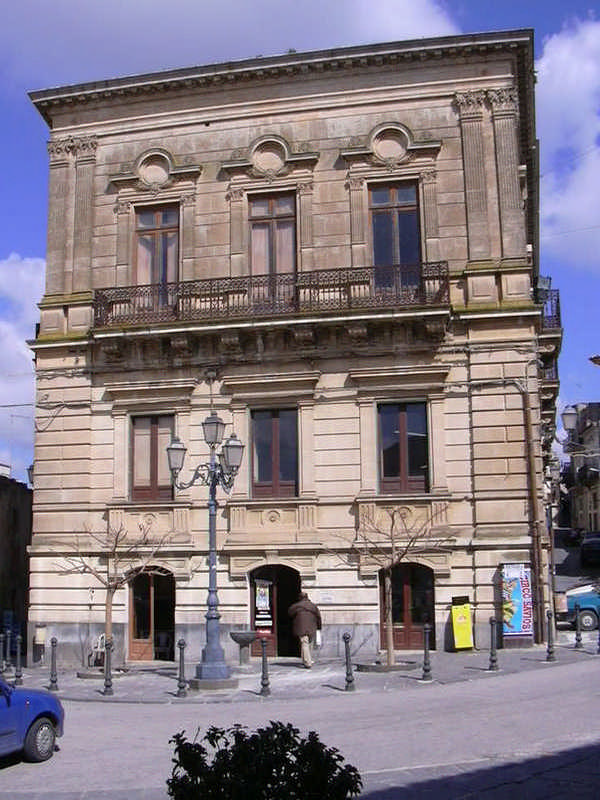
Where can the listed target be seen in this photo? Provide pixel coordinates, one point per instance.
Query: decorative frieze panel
(152, 525)
(154, 171)
(271, 524)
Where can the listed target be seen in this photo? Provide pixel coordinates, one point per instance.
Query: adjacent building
(336, 251)
(583, 476)
(15, 536)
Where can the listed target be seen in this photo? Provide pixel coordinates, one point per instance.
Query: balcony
(274, 296)
(551, 311)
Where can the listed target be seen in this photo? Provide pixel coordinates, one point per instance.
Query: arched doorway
(152, 616)
(412, 605)
(273, 589)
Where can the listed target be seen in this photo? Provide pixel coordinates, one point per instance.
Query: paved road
(533, 733)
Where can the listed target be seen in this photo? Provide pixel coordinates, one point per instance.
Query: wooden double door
(412, 606)
(152, 616)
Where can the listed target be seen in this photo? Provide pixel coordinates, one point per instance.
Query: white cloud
(568, 109)
(21, 287)
(78, 40)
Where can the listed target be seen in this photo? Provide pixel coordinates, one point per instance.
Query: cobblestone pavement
(528, 730)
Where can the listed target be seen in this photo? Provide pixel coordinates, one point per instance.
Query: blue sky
(45, 44)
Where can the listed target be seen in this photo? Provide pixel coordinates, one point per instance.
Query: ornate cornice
(289, 66)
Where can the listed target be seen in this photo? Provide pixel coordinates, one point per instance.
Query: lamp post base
(198, 684)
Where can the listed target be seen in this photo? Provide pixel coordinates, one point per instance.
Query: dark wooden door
(412, 605)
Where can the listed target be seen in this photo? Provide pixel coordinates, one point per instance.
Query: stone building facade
(345, 243)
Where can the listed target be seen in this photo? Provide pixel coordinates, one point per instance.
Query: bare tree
(112, 557)
(390, 535)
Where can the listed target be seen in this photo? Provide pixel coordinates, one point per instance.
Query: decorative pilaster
(85, 164)
(305, 192)
(470, 108)
(306, 438)
(504, 107)
(430, 214)
(123, 211)
(236, 230)
(356, 189)
(187, 234)
(60, 181)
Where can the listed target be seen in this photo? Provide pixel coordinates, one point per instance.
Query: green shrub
(273, 763)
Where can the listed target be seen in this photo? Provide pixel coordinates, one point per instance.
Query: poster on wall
(517, 607)
(262, 604)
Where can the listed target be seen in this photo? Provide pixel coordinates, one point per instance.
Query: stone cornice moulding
(409, 378)
(451, 48)
(267, 387)
(143, 394)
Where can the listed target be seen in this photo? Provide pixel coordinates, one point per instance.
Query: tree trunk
(108, 607)
(389, 624)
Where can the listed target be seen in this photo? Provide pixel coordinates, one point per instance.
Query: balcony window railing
(551, 311)
(277, 295)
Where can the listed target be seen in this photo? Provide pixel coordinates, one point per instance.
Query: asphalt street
(530, 730)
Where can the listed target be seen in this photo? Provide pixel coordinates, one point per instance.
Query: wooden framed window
(272, 233)
(275, 453)
(403, 447)
(395, 233)
(157, 245)
(150, 475)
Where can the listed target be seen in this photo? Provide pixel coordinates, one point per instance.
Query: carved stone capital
(235, 194)
(73, 146)
(122, 207)
(503, 100)
(470, 103)
(306, 187)
(429, 176)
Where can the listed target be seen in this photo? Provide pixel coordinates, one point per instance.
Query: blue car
(30, 721)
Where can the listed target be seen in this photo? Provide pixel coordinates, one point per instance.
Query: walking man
(306, 621)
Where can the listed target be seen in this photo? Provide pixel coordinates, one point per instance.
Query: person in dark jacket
(306, 621)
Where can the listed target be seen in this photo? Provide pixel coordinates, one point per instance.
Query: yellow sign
(462, 627)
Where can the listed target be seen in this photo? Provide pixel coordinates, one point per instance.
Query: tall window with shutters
(272, 233)
(403, 447)
(157, 245)
(150, 476)
(395, 233)
(275, 453)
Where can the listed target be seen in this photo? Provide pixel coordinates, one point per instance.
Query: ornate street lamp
(221, 472)
(569, 418)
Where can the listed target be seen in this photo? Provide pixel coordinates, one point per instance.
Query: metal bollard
(264, 680)
(350, 687)
(108, 646)
(8, 655)
(18, 669)
(493, 665)
(426, 676)
(1, 653)
(181, 684)
(53, 677)
(550, 654)
(578, 642)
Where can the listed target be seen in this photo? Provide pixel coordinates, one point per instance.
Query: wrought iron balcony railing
(551, 313)
(277, 295)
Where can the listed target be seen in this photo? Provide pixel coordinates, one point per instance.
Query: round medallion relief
(154, 170)
(390, 145)
(269, 157)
